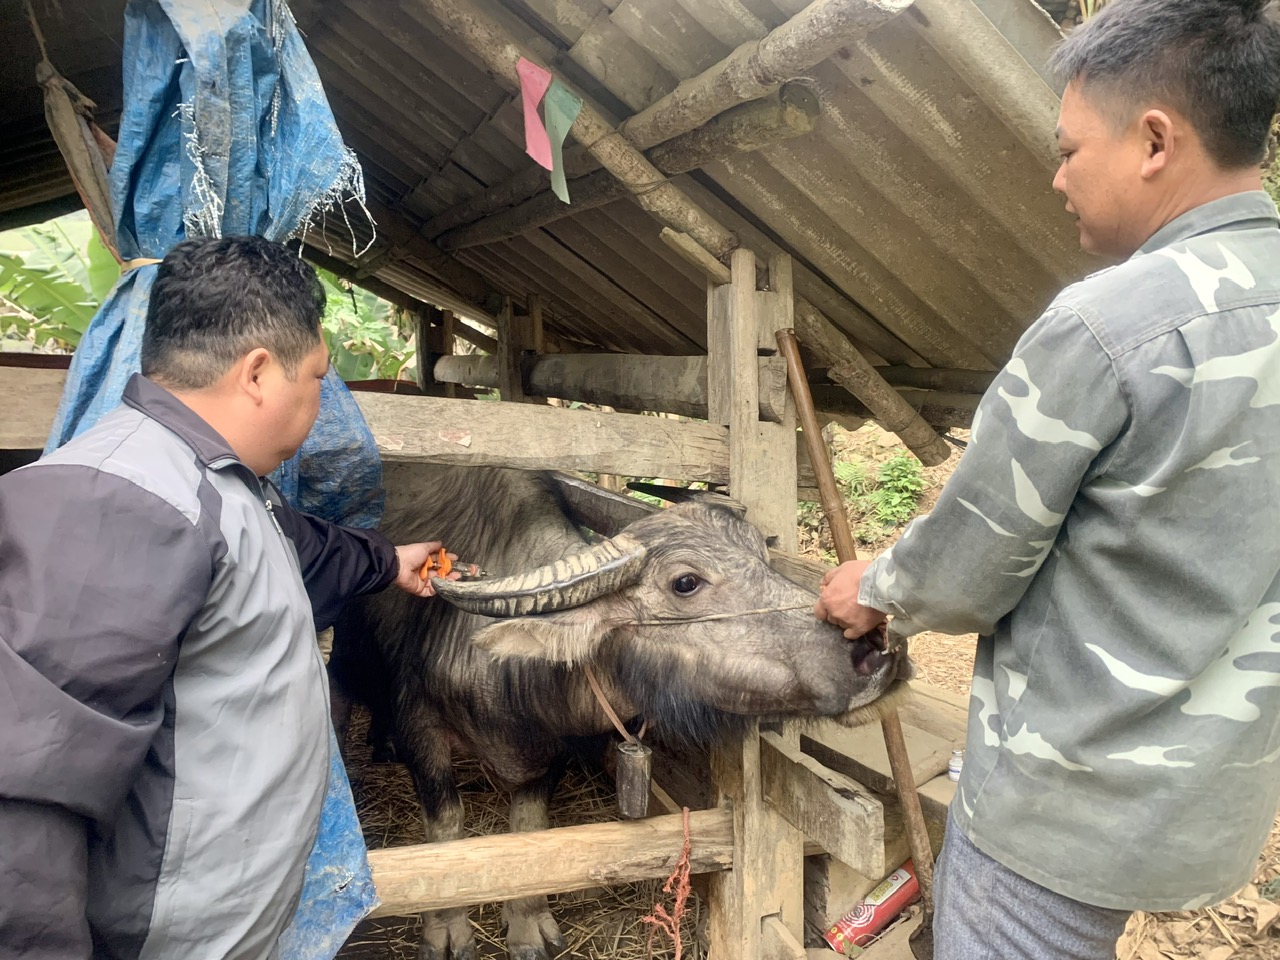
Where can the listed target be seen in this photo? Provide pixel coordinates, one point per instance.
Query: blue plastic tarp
(226, 131)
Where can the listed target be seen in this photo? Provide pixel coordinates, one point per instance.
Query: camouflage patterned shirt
(1112, 533)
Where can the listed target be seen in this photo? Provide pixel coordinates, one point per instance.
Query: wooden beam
(675, 209)
(434, 429)
(932, 378)
(465, 331)
(459, 873)
(753, 70)
(485, 37)
(759, 66)
(535, 437)
(626, 381)
(851, 370)
(839, 813)
(695, 254)
(789, 113)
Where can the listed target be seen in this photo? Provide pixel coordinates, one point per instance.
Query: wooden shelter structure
(873, 173)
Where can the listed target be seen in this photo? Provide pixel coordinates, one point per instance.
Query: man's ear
(570, 636)
(1159, 140)
(249, 371)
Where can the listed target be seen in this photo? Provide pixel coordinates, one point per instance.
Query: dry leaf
(461, 437)
(1222, 952)
(1267, 914)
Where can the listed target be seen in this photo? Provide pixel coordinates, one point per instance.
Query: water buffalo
(680, 614)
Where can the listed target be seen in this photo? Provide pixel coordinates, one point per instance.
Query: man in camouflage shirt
(1112, 533)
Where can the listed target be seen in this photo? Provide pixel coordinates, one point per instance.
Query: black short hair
(216, 299)
(1217, 62)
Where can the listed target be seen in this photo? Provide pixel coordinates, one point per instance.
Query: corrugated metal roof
(918, 210)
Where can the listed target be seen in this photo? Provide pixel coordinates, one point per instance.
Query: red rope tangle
(677, 883)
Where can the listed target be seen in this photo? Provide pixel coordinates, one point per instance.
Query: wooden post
(758, 904)
(510, 347)
(448, 341)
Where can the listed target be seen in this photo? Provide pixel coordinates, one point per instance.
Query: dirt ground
(606, 924)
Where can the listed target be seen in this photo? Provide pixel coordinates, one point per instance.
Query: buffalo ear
(568, 636)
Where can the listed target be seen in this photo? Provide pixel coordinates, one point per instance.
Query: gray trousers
(985, 911)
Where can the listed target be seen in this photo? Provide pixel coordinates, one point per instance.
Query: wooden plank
(832, 808)
(777, 942)
(928, 753)
(937, 711)
(832, 887)
(483, 433)
(460, 873)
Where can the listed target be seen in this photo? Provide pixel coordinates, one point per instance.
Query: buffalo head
(685, 607)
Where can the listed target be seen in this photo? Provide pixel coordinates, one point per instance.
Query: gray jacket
(163, 704)
(1113, 533)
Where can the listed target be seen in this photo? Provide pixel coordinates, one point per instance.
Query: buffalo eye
(686, 584)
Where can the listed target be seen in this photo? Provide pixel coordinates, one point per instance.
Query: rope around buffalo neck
(666, 621)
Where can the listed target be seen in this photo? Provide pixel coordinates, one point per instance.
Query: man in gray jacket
(1111, 532)
(163, 704)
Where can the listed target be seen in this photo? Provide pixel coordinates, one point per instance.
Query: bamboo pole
(753, 70)
(838, 521)
(828, 492)
(788, 114)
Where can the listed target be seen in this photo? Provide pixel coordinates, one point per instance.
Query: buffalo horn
(567, 583)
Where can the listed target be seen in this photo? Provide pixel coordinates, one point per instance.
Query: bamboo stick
(837, 520)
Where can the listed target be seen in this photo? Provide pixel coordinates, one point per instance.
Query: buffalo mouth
(869, 658)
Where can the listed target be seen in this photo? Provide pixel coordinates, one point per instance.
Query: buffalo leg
(532, 933)
(445, 933)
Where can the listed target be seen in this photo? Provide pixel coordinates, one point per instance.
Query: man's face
(1100, 176)
(290, 406)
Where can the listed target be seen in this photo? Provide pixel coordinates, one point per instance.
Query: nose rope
(664, 621)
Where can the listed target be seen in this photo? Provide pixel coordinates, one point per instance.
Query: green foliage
(876, 503)
(852, 476)
(897, 491)
(53, 278)
(362, 332)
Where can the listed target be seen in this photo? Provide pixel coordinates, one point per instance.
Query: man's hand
(838, 600)
(412, 556)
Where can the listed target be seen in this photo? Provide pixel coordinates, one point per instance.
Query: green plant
(852, 476)
(898, 489)
(362, 332)
(53, 278)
